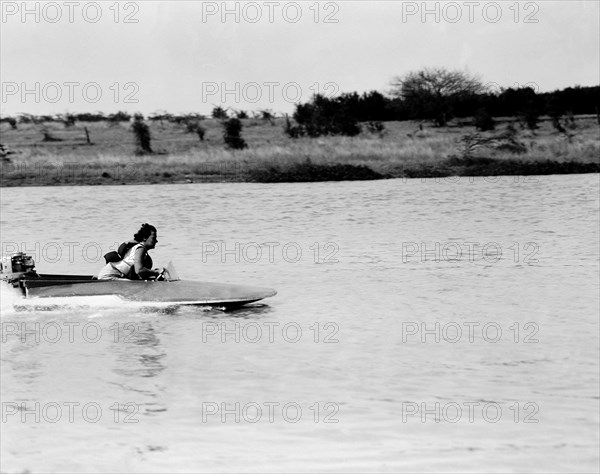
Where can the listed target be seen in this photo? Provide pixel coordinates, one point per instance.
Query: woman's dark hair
(144, 232)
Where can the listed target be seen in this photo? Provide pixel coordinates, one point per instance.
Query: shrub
(232, 134)
(191, 126)
(219, 113)
(142, 134)
(88, 117)
(292, 131)
(161, 117)
(376, 127)
(530, 117)
(121, 117)
(182, 119)
(506, 141)
(325, 116)
(11, 121)
(570, 121)
(557, 125)
(5, 152)
(68, 120)
(484, 121)
(267, 116)
(26, 118)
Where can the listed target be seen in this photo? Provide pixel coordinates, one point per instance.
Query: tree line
(440, 109)
(438, 95)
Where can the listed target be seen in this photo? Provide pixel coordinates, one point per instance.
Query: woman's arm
(140, 269)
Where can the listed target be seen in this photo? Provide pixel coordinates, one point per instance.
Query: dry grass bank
(402, 150)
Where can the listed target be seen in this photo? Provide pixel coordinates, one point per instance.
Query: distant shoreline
(332, 173)
(402, 150)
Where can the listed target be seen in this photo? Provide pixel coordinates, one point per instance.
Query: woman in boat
(135, 263)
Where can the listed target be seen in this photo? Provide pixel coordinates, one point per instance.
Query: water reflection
(139, 361)
(140, 352)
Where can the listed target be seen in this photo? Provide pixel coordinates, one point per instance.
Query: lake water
(419, 326)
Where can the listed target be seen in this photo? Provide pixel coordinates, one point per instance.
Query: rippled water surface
(381, 351)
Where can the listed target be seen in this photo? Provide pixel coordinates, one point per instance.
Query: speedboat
(19, 272)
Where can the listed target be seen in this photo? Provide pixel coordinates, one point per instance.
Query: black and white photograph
(299, 236)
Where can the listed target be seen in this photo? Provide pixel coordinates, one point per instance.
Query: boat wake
(12, 302)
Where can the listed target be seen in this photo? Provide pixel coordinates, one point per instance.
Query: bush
(191, 127)
(232, 134)
(219, 113)
(182, 119)
(530, 117)
(267, 116)
(121, 117)
(26, 118)
(484, 121)
(88, 117)
(325, 116)
(292, 131)
(4, 152)
(11, 121)
(142, 134)
(375, 127)
(68, 120)
(506, 141)
(557, 125)
(161, 117)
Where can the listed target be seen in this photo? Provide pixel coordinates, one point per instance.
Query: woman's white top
(128, 261)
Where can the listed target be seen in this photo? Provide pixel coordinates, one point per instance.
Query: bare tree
(436, 81)
(428, 92)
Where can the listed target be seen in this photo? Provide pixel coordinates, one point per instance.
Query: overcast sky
(186, 56)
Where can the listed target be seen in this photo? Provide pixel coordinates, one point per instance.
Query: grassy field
(402, 150)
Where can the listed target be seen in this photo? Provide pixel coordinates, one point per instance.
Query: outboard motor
(13, 269)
